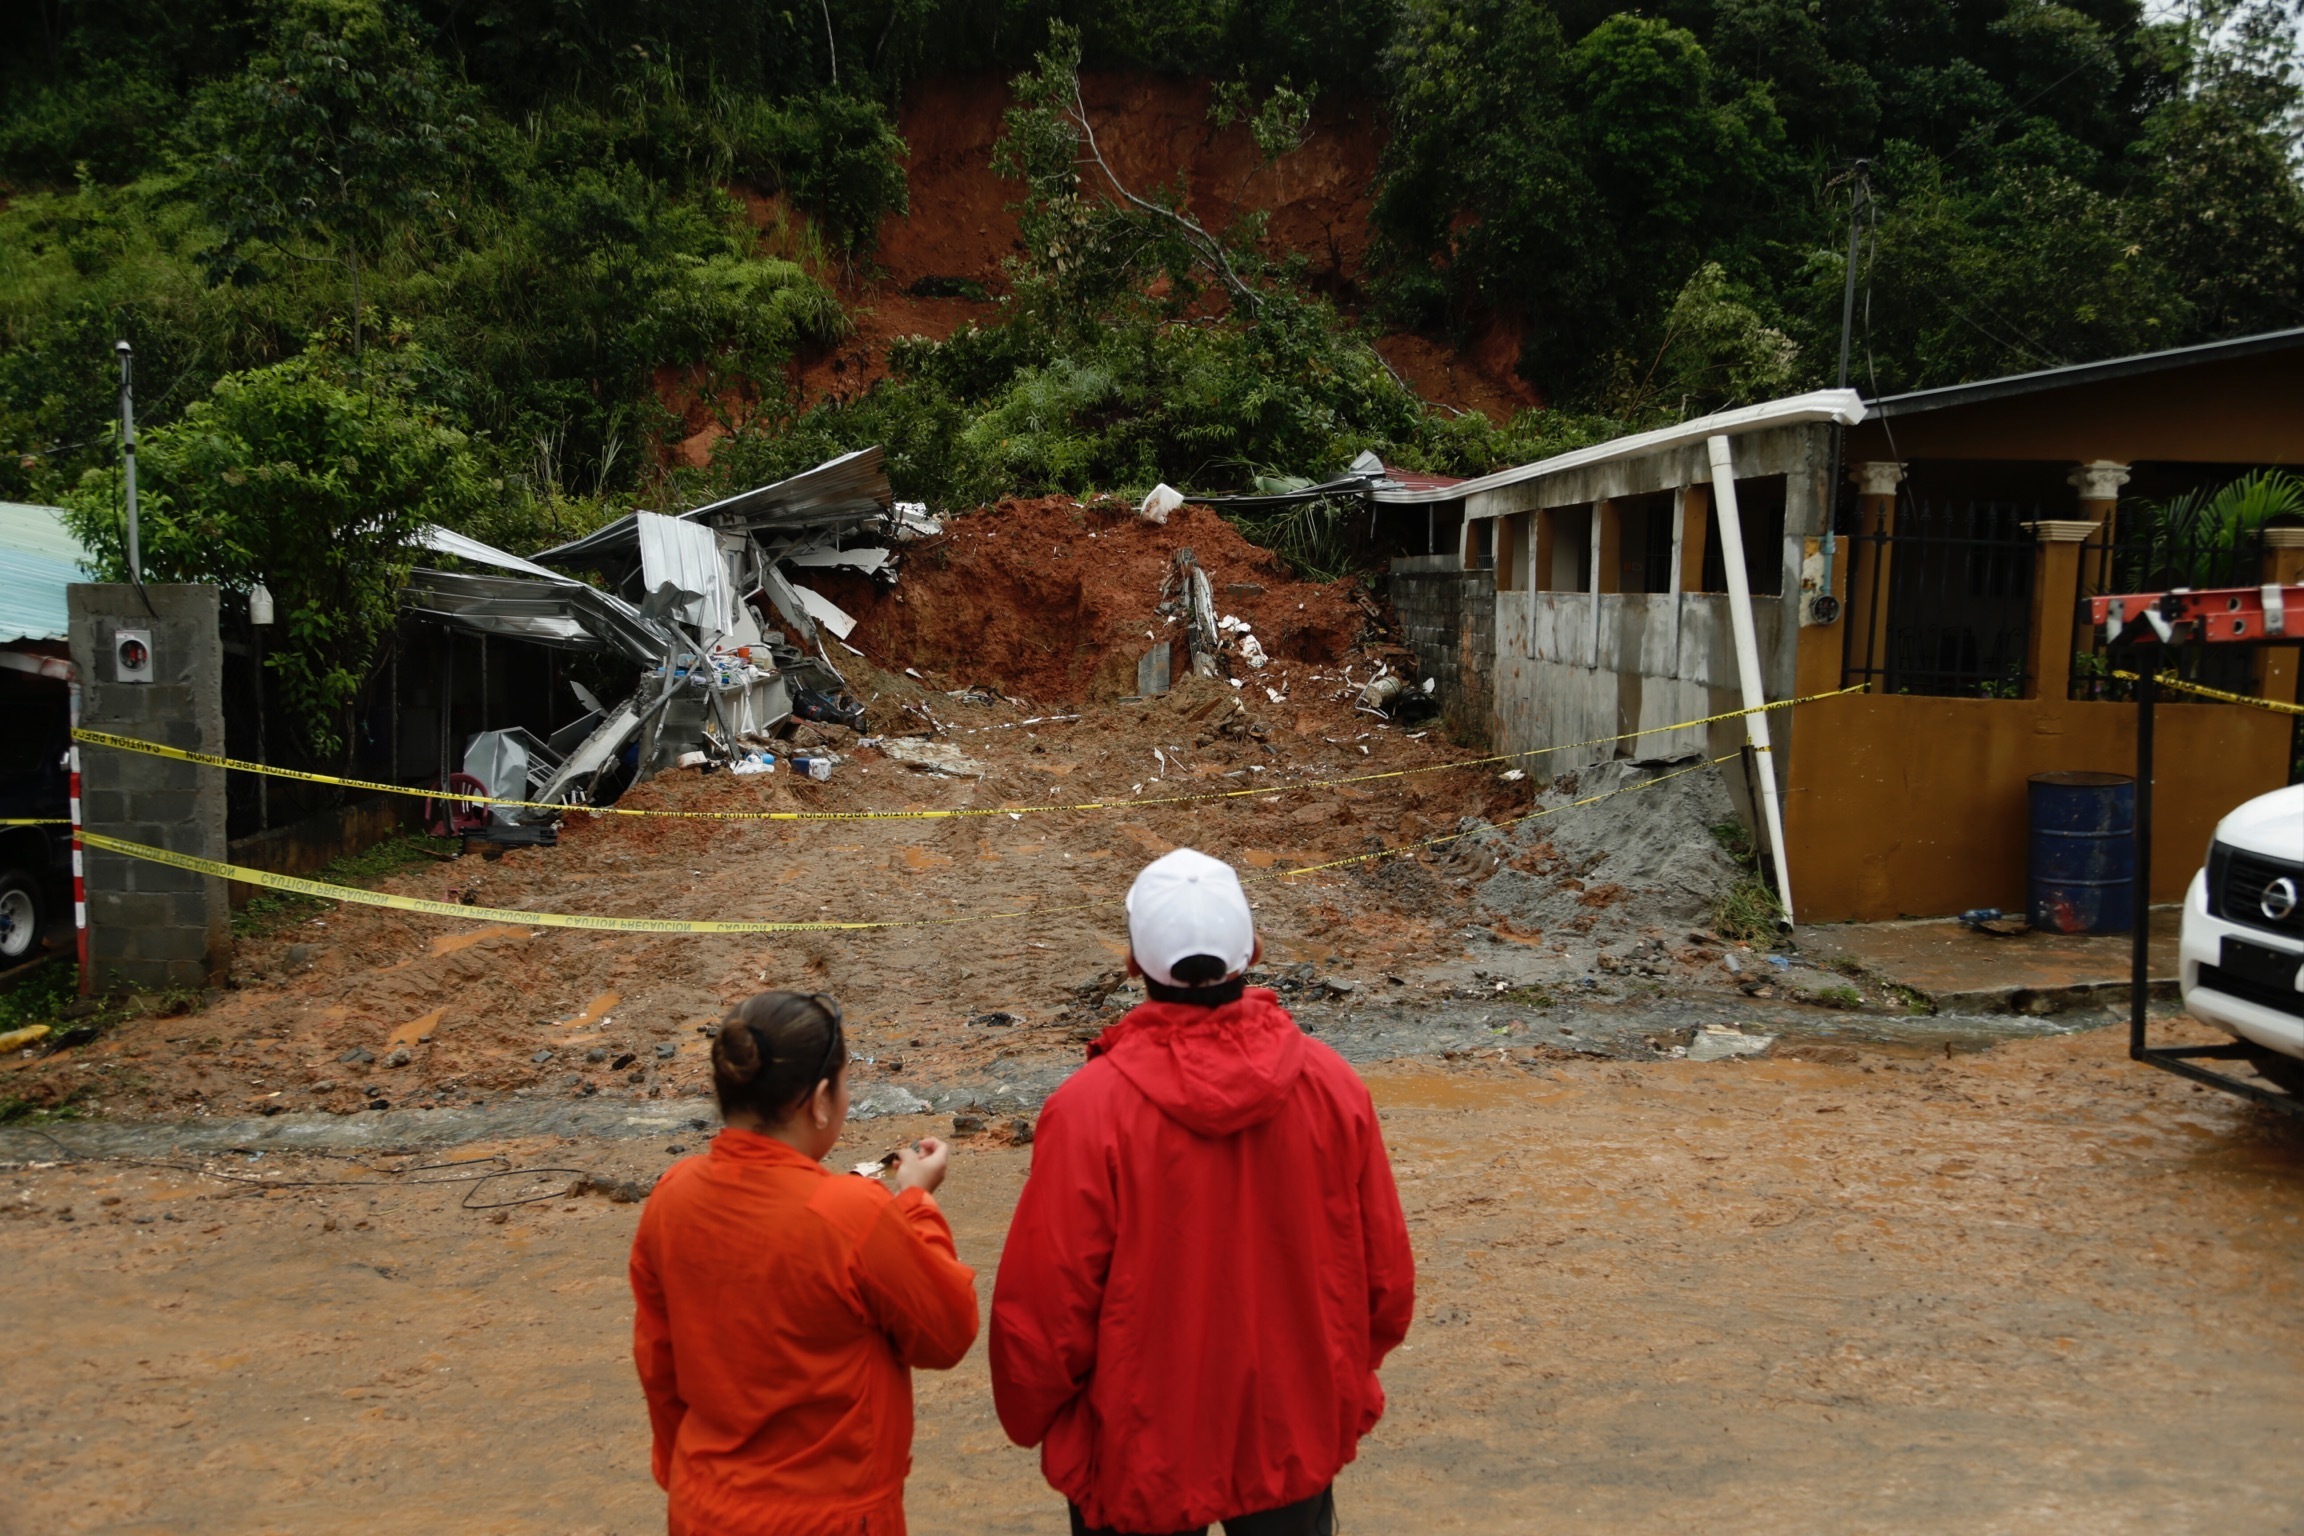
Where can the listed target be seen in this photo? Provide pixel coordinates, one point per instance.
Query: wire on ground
(485, 1170)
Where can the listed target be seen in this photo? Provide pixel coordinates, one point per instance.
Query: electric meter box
(132, 656)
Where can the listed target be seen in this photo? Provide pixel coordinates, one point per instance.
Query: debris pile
(710, 606)
(1640, 860)
(1063, 602)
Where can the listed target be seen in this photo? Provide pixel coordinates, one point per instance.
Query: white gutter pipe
(1843, 407)
(1748, 656)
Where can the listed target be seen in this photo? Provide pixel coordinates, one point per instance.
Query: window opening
(1760, 515)
(1571, 548)
(1644, 542)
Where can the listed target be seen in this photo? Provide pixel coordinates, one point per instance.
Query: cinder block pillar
(1871, 563)
(2284, 564)
(150, 925)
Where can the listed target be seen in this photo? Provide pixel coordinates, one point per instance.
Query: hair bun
(735, 1054)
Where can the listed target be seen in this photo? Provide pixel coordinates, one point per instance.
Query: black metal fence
(2151, 551)
(1955, 578)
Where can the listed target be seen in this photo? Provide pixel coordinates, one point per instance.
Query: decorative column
(1870, 557)
(2055, 604)
(2284, 565)
(2098, 483)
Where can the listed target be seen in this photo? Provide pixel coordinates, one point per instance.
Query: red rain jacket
(1206, 1267)
(779, 1311)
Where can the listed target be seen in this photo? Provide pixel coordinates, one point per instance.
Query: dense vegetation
(448, 256)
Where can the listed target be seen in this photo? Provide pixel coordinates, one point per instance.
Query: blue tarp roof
(39, 558)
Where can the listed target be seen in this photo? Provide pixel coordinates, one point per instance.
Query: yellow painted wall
(1898, 806)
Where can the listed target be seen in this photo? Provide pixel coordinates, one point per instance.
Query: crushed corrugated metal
(711, 606)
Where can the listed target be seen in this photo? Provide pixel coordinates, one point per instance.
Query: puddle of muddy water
(449, 943)
(415, 1031)
(594, 1012)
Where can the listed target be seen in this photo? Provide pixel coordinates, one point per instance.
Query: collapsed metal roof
(559, 611)
(851, 489)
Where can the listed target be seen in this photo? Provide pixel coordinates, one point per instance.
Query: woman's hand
(921, 1165)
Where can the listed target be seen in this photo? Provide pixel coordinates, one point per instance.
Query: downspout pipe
(1748, 657)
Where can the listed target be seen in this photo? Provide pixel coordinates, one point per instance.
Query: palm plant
(2207, 537)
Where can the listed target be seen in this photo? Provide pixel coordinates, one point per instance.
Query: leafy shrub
(297, 477)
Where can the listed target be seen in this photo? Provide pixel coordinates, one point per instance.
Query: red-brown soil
(1052, 600)
(994, 911)
(1153, 129)
(1482, 377)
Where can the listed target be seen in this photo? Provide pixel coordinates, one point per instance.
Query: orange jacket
(780, 1310)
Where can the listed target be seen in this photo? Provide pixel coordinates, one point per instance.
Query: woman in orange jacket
(781, 1307)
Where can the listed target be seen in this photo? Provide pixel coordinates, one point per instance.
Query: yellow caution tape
(33, 821)
(207, 759)
(516, 915)
(2218, 694)
(326, 892)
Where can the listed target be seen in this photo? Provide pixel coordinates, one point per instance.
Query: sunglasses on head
(832, 1038)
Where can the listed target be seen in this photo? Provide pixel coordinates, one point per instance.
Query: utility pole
(1859, 175)
(128, 453)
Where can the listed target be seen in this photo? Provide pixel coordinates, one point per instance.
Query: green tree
(343, 133)
(1574, 187)
(296, 477)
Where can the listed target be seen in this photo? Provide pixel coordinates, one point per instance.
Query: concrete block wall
(1448, 615)
(150, 925)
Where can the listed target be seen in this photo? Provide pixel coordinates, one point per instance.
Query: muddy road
(2035, 1288)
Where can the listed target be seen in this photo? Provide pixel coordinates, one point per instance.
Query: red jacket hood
(1215, 1071)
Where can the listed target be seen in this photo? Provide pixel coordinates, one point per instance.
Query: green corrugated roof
(39, 558)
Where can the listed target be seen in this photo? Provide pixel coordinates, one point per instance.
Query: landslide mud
(2039, 1289)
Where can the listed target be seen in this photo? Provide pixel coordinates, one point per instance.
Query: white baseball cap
(1185, 903)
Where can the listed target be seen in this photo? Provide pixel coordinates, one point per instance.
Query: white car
(2243, 943)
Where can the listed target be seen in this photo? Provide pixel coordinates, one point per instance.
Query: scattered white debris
(931, 756)
(1721, 1042)
(826, 612)
(1164, 499)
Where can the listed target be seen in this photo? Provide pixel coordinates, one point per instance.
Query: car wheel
(2280, 1071)
(20, 915)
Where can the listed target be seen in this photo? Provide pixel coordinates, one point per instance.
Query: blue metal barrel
(2083, 852)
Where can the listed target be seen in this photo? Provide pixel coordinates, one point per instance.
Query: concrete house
(1586, 596)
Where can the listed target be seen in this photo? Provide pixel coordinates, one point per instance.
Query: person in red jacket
(1208, 1262)
(780, 1308)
